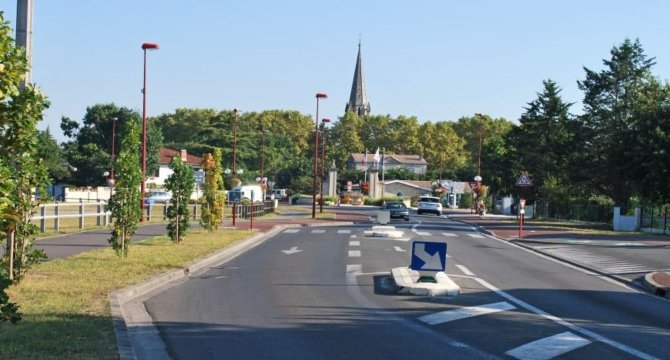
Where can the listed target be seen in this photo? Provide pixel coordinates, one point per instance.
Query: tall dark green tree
(53, 157)
(612, 98)
(90, 146)
(181, 183)
(543, 142)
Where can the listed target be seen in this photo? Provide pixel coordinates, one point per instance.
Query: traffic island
(384, 231)
(659, 283)
(411, 282)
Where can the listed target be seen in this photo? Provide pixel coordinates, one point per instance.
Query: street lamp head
(149, 46)
(325, 120)
(240, 171)
(236, 111)
(321, 96)
(478, 178)
(227, 171)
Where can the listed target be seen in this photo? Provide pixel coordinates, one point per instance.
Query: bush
(466, 201)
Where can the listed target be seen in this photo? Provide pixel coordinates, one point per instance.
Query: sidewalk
(507, 228)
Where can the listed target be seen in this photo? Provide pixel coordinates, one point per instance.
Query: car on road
(157, 197)
(398, 210)
(429, 204)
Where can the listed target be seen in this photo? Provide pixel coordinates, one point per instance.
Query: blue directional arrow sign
(429, 256)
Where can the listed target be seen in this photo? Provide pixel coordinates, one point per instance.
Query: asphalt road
(324, 292)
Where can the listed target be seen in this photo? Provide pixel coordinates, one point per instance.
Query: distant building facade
(414, 163)
(164, 170)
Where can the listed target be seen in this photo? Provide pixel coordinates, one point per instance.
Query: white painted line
(567, 324)
(465, 312)
(449, 234)
(465, 270)
(318, 231)
(477, 236)
(399, 249)
(353, 270)
(354, 243)
(549, 347)
(354, 253)
(353, 236)
(423, 233)
(291, 231)
(344, 231)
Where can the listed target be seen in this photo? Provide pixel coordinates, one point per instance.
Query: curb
(134, 326)
(656, 288)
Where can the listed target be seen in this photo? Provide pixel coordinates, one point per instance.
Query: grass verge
(64, 302)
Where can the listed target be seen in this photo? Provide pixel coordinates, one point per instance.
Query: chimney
(183, 155)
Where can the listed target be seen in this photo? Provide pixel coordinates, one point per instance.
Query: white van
(279, 194)
(252, 192)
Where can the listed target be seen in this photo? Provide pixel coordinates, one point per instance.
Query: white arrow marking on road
(430, 261)
(399, 249)
(292, 251)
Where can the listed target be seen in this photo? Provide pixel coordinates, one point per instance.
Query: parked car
(157, 197)
(429, 204)
(397, 210)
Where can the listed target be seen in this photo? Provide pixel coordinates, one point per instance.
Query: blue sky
(436, 59)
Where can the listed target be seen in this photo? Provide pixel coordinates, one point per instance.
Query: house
(414, 163)
(164, 170)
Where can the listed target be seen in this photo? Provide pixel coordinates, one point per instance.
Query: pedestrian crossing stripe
(318, 231)
(449, 234)
(476, 236)
(549, 347)
(291, 231)
(344, 231)
(465, 312)
(602, 263)
(423, 233)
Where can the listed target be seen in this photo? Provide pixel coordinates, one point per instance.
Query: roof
(421, 185)
(392, 159)
(166, 156)
(358, 100)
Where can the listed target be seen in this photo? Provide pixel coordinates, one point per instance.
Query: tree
(124, 202)
(90, 147)
(443, 148)
(181, 183)
(53, 157)
(212, 209)
(21, 109)
(612, 98)
(543, 142)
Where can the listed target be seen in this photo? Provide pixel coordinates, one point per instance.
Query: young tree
(212, 209)
(181, 183)
(125, 201)
(21, 109)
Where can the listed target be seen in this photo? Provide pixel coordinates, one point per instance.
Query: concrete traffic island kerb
(658, 283)
(384, 231)
(410, 282)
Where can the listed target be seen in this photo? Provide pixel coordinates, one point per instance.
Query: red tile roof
(166, 156)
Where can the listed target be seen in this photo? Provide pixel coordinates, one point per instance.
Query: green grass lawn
(64, 302)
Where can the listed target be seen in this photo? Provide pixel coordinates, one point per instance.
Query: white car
(429, 204)
(157, 197)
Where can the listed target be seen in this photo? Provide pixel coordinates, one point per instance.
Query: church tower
(358, 100)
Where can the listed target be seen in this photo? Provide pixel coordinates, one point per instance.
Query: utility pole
(24, 33)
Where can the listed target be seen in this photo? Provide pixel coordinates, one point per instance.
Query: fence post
(43, 214)
(97, 217)
(665, 221)
(57, 219)
(81, 214)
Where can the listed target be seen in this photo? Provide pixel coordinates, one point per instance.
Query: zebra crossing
(415, 231)
(600, 262)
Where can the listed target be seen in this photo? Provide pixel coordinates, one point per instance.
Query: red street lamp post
(145, 47)
(235, 111)
(316, 152)
(111, 175)
(323, 160)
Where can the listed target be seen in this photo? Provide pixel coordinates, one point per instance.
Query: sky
(438, 60)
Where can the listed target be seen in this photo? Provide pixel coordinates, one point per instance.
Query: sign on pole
(429, 256)
(524, 180)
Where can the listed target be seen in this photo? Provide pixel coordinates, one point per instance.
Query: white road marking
(465, 270)
(354, 253)
(399, 249)
(354, 243)
(465, 312)
(291, 231)
(449, 234)
(423, 233)
(549, 347)
(476, 236)
(318, 231)
(353, 236)
(567, 324)
(344, 231)
(603, 263)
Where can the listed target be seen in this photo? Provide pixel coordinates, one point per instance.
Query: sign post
(522, 213)
(523, 182)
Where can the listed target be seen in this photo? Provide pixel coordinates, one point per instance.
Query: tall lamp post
(235, 111)
(478, 178)
(111, 175)
(324, 121)
(316, 152)
(145, 47)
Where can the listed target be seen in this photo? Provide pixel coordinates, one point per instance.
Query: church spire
(358, 100)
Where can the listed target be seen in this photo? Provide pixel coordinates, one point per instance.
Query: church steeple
(358, 100)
